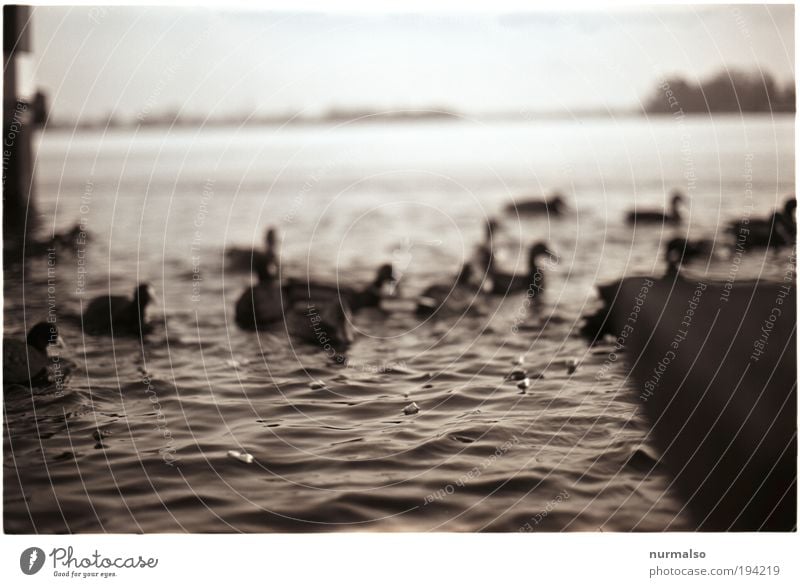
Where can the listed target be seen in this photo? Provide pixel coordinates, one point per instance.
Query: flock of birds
(319, 312)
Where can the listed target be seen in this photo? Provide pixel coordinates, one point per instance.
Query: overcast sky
(208, 62)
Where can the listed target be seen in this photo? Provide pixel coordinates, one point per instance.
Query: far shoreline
(404, 117)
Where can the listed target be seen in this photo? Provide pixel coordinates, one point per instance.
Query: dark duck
(321, 313)
(325, 323)
(601, 323)
(484, 252)
(27, 361)
(673, 216)
(555, 205)
(778, 230)
(449, 298)
(262, 304)
(532, 281)
(255, 261)
(681, 250)
(313, 311)
(120, 315)
(369, 296)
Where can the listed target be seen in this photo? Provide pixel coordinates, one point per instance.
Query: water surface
(570, 454)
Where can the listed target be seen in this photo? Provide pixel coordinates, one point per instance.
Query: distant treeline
(728, 91)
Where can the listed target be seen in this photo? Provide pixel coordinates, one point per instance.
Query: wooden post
(19, 119)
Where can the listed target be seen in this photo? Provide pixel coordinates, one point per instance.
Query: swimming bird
(323, 322)
(779, 229)
(603, 322)
(483, 259)
(449, 298)
(71, 239)
(263, 263)
(657, 216)
(532, 281)
(119, 314)
(555, 205)
(327, 325)
(681, 250)
(260, 305)
(370, 296)
(26, 362)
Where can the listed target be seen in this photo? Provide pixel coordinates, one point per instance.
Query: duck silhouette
(355, 298)
(120, 315)
(659, 216)
(325, 324)
(681, 250)
(601, 323)
(778, 230)
(312, 311)
(263, 263)
(532, 281)
(449, 298)
(262, 305)
(555, 205)
(484, 256)
(322, 322)
(27, 361)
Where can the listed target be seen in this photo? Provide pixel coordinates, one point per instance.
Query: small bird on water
(27, 361)
(119, 314)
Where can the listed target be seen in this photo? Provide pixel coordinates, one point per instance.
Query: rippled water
(570, 454)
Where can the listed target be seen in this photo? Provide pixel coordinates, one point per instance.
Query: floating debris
(519, 361)
(318, 384)
(241, 456)
(524, 384)
(572, 365)
(233, 363)
(411, 409)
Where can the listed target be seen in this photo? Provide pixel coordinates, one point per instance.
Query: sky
(138, 61)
